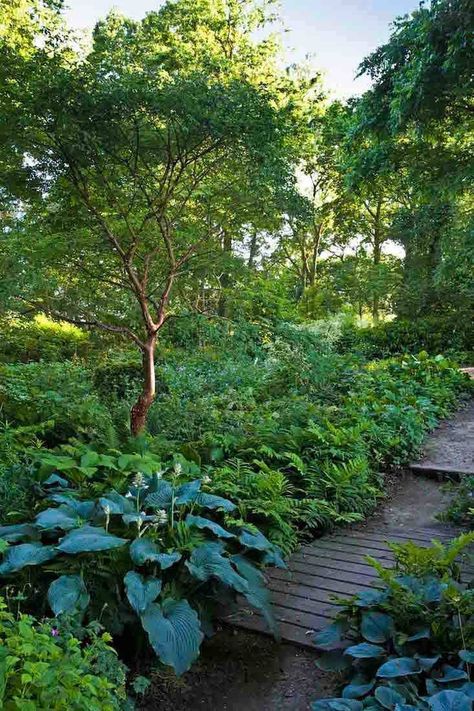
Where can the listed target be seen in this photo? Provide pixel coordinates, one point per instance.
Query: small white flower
(139, 480)
(178, 468)
(161, 517)
(159, 475)
(106, 508)
(129, 495)
(206, 479)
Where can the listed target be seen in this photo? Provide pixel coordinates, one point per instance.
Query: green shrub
(408, 643)
(461, 508)
(60, 395)
(43, 668)
(41, 338)
(117, 555)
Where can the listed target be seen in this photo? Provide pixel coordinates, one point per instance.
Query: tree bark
(225, 279)
(139, 411)
(377, 256)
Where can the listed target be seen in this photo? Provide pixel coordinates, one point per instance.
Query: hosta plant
(162, 555)
(407, 644)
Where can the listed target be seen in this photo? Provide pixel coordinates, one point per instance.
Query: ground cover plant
(408, 643)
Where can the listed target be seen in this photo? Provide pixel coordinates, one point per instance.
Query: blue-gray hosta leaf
(162, 497)
(423, 633)
(142, 551)
(258, 594)
(404, 666)
(255, 540)
(337, 705)
(367, 598)
(18, 532)
(89, 538)
(83, 509)
(388, 697)
(465, 654)
(426, 663)
(330, 636)
(141, 591)
(174, 633)
(62, 517)
(365, 651)
(376, 627)
(359, 686)
(67, 595)
(24, 554)
(54, 480)
(187, 493)
(450, 674)
(208, 562)
(201, 522)
(274, 557)
(211, 501)
(333, 661)
(450, 701)
(115, 503)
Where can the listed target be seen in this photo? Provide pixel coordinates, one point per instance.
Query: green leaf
(376, 626)
(210, 501)
(388, 698)
(187, 493)
(162, 497)
(423, 633)
(89, 538)
(82, 509)
(141, 591)
(365, 651)
(56, 480)
(258, 594)
(358, 687)
(367, 598)
(450, 701)
(451, 674)
(255, 540)
(208, 562)
(404, 666)
(68, 595)
(174, 633)
(337, 705)
(142, 551)
(24, 554)
(333, 661)
(61, 517)
(18, 532)
(116, 503)
(465, 655)
(201, 522)
(330, 635)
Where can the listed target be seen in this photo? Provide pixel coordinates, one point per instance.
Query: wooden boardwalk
(334, 565)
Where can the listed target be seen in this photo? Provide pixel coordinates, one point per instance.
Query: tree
(131, 143)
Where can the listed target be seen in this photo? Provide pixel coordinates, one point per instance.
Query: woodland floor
(246, 671)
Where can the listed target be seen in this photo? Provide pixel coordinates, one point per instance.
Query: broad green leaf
(208, 562)
(83, 509)
(67, 595)
(141, 591)
(89, 538)
(61, 517)
(367, 598)
(210, 501)
(255, 540)
(24, 554)
(388, 698)
(333, 661)
(359, 686)
(376, 627)
(450, 701)
(187, 493)
(142, 551)
(174, 633)
(115, 503)
(365, 651)
(258, 594)
(201, 522)
(465, 655)
(450, 674)
(18, 532)
(162, 497)
(404, 666)
(330, 636)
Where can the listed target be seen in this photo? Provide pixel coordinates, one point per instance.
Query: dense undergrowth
(259, 437)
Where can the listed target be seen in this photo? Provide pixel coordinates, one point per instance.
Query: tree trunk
(253, 250)
(225, 279)
(377, 256)
(139, 411)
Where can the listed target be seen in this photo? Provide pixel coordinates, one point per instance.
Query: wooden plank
(348, 587)
(347, 547)
(334, 573)
(330, 562)
(304, 592)
(305, 604)
(340, 556)
(417, 538)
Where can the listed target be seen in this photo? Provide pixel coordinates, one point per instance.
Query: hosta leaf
(174, 633)
(467, 688)
(210, 501)
(423, 633)
(330, 635)
(201, 522)
(388, 698)
(258, 594)
(450, 701)
(142, 551)
(451, 674)
(337, 705)
(426, 663)
(376, 626)
(115, 503)
(68, 595)
(18, 532)
(24, 554)
(187, 493)
(274, 557)
(255, 540)
(365, 651)
(89, 538)
(56, 480)
(141, 591)
(208, 562)
(367, 598)
(465, 654)
(333, 661)
(83, 509)
(61, 517)
(162, 497)
(404, 666)
(358, 687)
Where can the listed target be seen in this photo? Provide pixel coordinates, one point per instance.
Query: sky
(337, 34)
